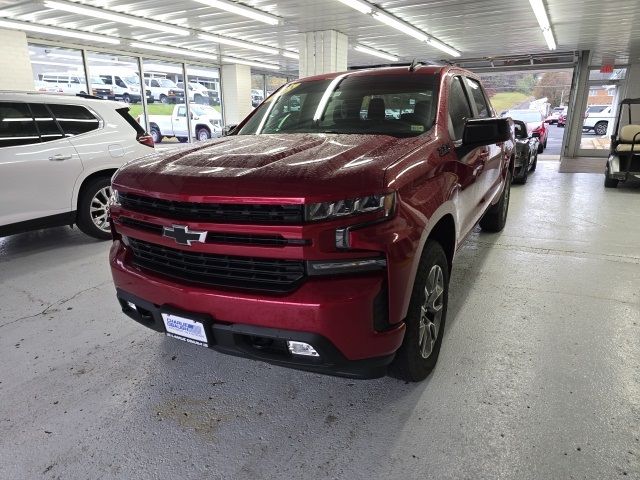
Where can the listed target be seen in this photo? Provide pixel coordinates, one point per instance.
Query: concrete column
(322, 52)
(15, 64)
(577, 106)
(236, 92)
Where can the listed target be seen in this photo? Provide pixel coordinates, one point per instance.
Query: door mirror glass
(486, 131)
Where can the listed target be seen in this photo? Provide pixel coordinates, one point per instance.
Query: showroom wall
(14, 61)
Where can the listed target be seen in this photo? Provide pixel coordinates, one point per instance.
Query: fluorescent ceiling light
(57, 64)
(238, 43)
(541, 15)
(245, 11)
(30, 27)
(174, 50)
(401, 26)
(359, 5)
(434, 42)
(548, 36)
(294, 55)
(250, 63)
(375, 53)
(115, 17)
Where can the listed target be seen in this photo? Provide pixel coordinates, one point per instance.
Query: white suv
(597, 118)
(57, 156)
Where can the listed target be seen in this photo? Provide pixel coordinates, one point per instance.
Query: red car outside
(320, 234)
(535, 124)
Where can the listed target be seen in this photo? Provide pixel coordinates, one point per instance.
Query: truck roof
(400, 70)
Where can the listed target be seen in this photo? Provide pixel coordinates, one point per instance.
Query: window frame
(458, 141)
(474, 107)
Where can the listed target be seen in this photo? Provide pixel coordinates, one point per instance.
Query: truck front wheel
(203, 134)
(164, 99)
(495, 217)
(601, 128)
(156, 135)
(418, 354)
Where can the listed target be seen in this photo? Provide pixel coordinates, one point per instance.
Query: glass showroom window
(57, 70)
(204, 101)
(273, 83)
(257, 89)
(166, 106)
(116, 77)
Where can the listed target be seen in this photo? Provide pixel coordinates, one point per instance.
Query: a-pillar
(15, 64)
(322, 52)
(236, 92)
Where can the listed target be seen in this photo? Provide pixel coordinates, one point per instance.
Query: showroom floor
(538, 376)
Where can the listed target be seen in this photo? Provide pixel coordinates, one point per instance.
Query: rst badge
(182, 235)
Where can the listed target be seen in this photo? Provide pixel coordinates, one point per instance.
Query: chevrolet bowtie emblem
(182, 235)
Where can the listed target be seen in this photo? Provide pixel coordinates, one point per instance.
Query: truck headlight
(341, 208)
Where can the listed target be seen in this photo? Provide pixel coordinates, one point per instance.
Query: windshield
(526, 116)
(204, 110)
(395, 105)
(165, 82)
(131, 80)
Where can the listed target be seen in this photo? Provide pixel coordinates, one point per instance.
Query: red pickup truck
(321, 232)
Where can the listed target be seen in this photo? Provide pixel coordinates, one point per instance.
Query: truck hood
(293, 165)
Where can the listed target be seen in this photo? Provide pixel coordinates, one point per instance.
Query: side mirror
(485, 131)
(228, 130)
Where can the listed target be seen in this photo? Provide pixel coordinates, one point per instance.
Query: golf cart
(624, 158)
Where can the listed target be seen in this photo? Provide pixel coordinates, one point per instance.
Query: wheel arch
(107, 172)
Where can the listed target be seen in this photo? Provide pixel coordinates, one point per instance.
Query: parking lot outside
(537, 377)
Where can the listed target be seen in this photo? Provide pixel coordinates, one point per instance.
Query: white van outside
(123, 82)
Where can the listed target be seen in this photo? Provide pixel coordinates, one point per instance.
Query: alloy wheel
(99, 208)
(431, 311)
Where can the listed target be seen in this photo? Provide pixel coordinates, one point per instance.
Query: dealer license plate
(185, 329)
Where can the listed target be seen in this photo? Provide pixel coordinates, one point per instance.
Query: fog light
(301, 348)
(132, 306)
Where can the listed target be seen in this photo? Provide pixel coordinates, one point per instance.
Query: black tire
(164, 99)
(610, 182)
(600, 128)
(495, 217)
(409, 363)
(156, 135)
(84, 218)
(540, 147)
(183, 139)
(202, 132)
(197, 98)
(126, 98)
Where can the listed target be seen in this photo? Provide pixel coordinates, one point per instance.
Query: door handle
(58, 157)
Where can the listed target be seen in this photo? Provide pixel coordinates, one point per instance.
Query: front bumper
(335, 314)
(261, 343)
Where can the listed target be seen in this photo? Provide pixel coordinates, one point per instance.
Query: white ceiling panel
(478, 28)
